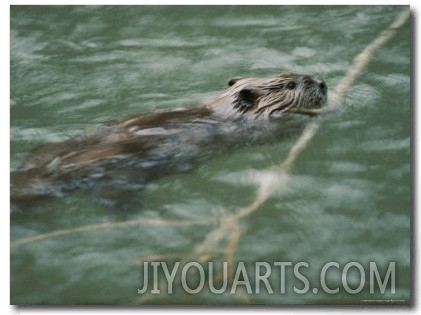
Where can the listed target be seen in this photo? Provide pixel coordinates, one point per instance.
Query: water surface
(346, 199)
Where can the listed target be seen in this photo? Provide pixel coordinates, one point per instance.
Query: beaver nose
(323, 87)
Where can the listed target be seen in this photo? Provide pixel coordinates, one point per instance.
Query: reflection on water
(347, 198)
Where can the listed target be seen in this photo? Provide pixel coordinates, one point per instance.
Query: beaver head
(266, 96)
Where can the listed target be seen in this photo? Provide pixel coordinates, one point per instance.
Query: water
(346, 199)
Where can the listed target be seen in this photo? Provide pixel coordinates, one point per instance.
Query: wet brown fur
(167, 139)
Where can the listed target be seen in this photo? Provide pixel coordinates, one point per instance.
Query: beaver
(130, 152)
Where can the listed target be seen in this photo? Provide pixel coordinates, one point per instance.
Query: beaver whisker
(275, 103)
(282, 109)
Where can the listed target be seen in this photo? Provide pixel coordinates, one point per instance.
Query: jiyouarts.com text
(272, 278)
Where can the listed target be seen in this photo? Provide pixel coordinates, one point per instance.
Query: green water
(347, 198)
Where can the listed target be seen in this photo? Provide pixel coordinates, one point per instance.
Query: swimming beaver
(130, 152)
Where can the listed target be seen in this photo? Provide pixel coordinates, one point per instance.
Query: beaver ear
(234, 80)
(246, 99)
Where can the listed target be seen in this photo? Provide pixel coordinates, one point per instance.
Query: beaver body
(128, 153)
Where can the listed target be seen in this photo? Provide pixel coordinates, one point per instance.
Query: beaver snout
(315, 83)
(323, 86)
(319, 83)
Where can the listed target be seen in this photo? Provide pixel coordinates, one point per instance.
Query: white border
(209, 2)
(5, 166)
(5, 155)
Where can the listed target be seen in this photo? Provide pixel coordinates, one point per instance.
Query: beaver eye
(291, 85)
(234, 80)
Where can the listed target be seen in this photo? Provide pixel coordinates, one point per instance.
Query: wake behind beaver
(130, 152)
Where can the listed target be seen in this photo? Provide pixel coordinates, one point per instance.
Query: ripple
(386, 145)
(160, 43)
(84, 106)
(265, 58)
(35, 134)
(304, 52)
